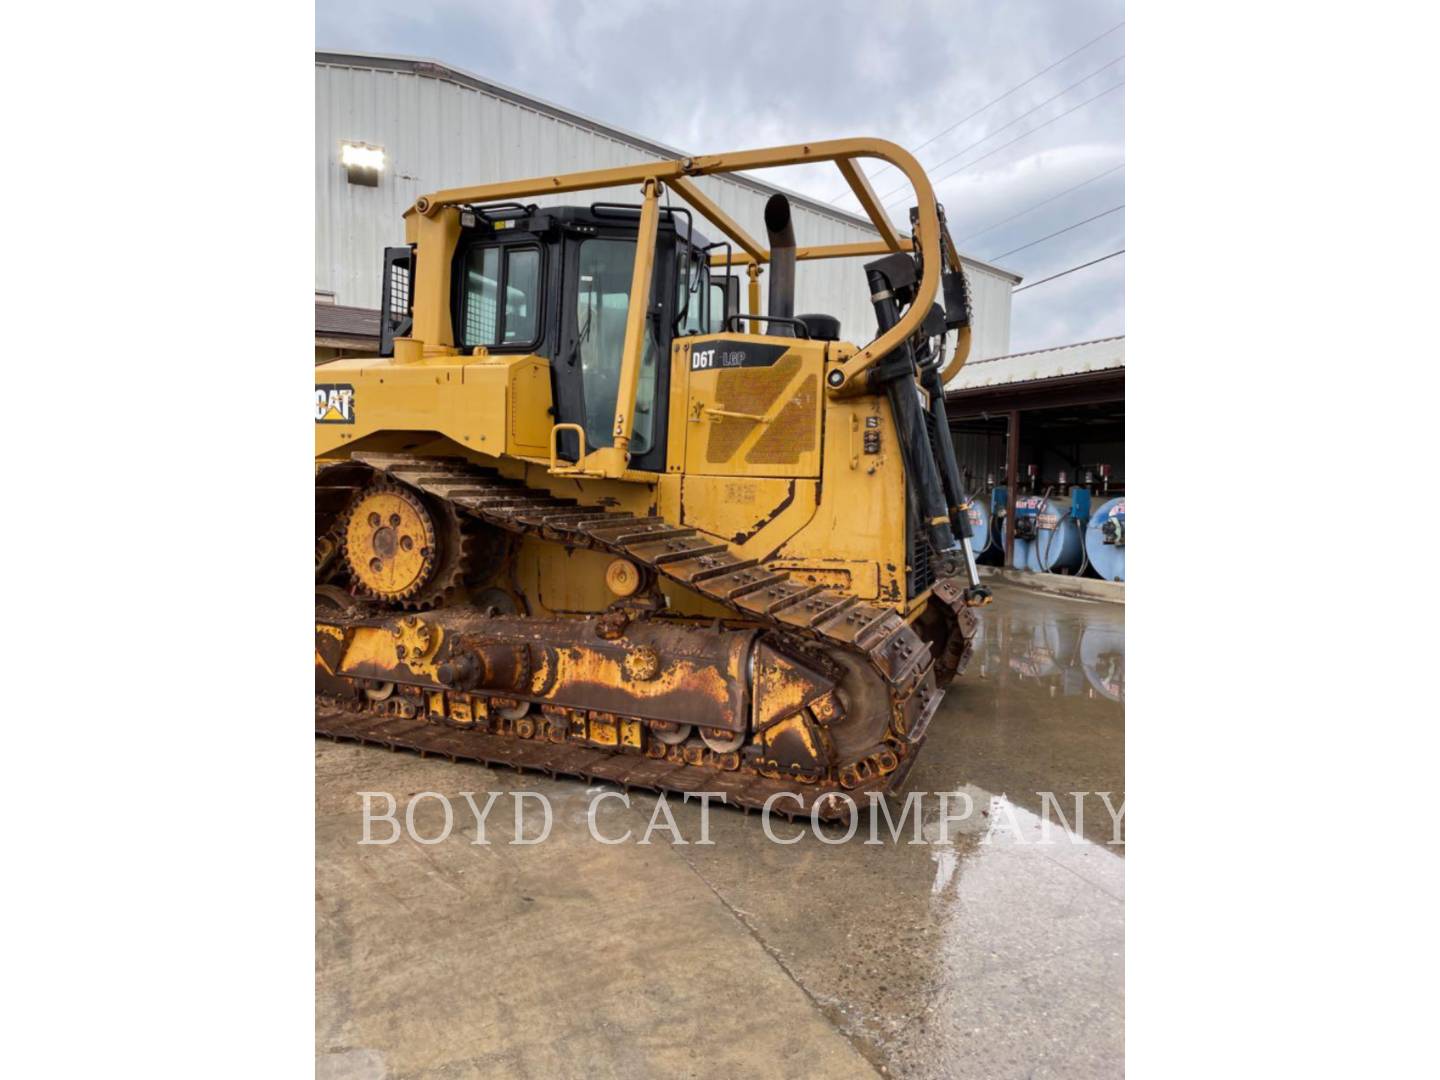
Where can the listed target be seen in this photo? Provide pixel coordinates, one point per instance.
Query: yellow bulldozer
(584, 515)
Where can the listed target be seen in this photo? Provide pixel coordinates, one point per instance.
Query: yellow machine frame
(500, 405)
(793, 634)
(434, 224)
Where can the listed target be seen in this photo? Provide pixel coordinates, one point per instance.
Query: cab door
(599, 265)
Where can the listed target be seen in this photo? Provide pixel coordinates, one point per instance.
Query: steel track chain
(746, 790)
(701, 563)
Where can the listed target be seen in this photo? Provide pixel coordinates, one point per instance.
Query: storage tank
(995, 511)
(979, 515)
(1047, 538)
(1105, 540)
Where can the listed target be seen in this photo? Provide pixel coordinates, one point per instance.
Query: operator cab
(555, 282)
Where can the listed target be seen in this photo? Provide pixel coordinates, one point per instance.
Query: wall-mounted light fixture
(363, 163)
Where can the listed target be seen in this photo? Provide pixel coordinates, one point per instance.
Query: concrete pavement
(978, 952)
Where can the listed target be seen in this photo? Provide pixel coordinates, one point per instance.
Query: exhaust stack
(781, 228)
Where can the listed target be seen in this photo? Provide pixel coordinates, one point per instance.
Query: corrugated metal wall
(439, 131)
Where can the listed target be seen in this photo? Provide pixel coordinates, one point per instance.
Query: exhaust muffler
(781, 227)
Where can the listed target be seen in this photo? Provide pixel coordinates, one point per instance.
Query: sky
(740, 74)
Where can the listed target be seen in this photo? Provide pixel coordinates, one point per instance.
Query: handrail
(555, 466)
(740, 317)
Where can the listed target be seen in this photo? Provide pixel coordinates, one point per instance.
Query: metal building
(439, 127)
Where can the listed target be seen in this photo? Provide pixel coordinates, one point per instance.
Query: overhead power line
(992, 101)
(1058, 232)
(1073, 269)
(1012, 142)
(1011, 123)
(1044, 202)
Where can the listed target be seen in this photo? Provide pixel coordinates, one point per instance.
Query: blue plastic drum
(1055, 544)
(979, 515)
(1105, 540)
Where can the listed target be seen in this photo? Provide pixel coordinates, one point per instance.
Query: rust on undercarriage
(698, 673)
(810, 691)
(669, 773)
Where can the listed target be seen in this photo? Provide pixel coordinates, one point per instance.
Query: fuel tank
(1047, 538)
(1105, 540)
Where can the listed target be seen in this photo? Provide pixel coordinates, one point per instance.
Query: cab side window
(717, 307)
(692, 290)
(502, 296)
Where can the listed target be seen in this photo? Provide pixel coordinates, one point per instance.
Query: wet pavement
(992, 947)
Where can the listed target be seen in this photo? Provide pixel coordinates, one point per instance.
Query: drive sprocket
(402, 548)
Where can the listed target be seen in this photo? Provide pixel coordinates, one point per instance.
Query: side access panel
(753, 405)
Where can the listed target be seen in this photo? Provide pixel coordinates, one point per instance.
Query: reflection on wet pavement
(993, 954)
(978, 951)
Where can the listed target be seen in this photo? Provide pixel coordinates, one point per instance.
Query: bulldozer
(584, 515)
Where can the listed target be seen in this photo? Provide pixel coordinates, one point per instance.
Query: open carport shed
(1061, 410)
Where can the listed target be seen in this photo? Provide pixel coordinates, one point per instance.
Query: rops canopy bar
(843, 380)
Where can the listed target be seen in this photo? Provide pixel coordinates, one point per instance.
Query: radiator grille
(748, 390)
(922, 574)
(791, 433)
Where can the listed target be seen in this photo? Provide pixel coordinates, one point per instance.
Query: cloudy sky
(742, 73)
